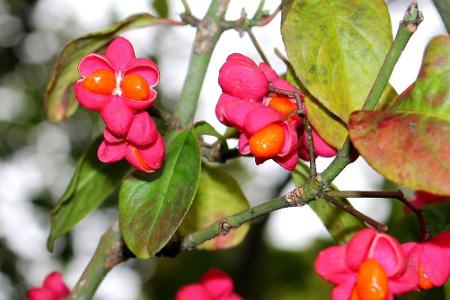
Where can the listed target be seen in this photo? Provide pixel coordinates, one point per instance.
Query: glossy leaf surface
(336, 48)
(152, 208)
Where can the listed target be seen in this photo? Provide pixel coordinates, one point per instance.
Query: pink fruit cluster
(53, 288)
(120, 87)
(268, 126)
(376, 266)
(214, 285)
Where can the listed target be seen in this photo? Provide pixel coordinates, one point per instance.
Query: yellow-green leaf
(336, 48)
(218, 196)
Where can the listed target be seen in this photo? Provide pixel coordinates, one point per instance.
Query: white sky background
(45, 162)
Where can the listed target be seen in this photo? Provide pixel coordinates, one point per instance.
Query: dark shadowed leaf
(339, 223)
(151, 209)
(409, 143)
(336, 48)
(218, 196)
(60, 101)
(92, 182)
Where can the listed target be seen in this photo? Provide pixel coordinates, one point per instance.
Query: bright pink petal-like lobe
(434, 258)
(42, 294)
(240, 77)
(217, 283)
(111, 153)
(233, 111)
(288, 162)
(93, 62)
(343, 290)
(143, 130)
(268, 71)
(259, 118)
(90, 100)
(120, 53)
(243, 144)
(147, 159)
(389, 254)
(214, 285)
(117, 117)
(55, 282)
(331, 265)
(322, 148)
(192, 292)
(358, 248)
(146, 68)
(53, 288)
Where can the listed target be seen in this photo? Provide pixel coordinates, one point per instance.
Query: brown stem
(266, 20)
(348, 208)
(257, 46)
(424, 232)
(306, 124)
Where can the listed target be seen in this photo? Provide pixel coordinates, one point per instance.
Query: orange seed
(135, 87)
(268, 141)
(100, 82)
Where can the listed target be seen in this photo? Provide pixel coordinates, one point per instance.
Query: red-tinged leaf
(409, 143)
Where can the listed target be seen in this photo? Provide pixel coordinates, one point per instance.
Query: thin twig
(224, 226)
(187, 8)
(348, 208)
(306, 124)
(266, 20)
(257, 46)
(424, 232)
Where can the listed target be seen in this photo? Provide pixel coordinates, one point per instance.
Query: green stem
(224, 226)
(443, 7)
(209, 31)
(110, 252)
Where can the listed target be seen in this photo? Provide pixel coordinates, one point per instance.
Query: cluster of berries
(267, 122)
(214, 285)
(120, 87)
(376, 266)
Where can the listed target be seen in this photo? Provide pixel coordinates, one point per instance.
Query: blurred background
(37, 157)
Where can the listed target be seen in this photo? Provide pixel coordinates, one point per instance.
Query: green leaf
(92, 182)
(409, 143)
(218, 196)
(60, 101)
(339, 223)
(204, 128)
(161, 7)
(336, 48)
(332, 129)
(150, 210)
